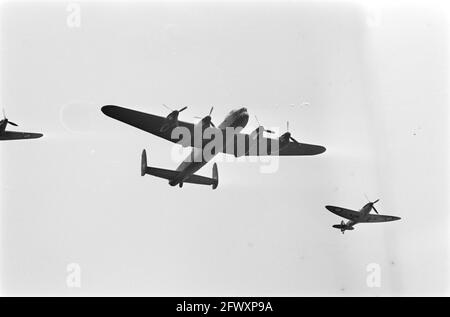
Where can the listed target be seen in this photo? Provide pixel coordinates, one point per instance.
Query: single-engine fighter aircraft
(13, 135)
(200, 136)
(361, 216)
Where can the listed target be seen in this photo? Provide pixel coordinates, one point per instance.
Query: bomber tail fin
(158, 172)
(172, 176)
(143, 163)
(215, 176)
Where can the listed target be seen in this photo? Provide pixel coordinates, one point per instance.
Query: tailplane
(176, 178)
(342, 226)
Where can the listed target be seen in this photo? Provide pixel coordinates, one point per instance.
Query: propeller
(374, 206)
(7, 121)
(372, 203)
(174, 111)
(261, 127)
(208, 118)
(172, 118)
(288, 134)
(167, 107)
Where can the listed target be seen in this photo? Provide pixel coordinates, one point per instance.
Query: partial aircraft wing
(12, 135)
(242, 145)
(344, 213)
(147, 122)
(380, 218)
(301, 149)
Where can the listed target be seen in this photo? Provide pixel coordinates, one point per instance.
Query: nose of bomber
(244, 112)
(245, 116)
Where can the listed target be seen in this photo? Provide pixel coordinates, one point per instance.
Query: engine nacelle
(170, 122)
(284, 140)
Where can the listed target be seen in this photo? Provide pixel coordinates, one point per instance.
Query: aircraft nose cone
(245, 118)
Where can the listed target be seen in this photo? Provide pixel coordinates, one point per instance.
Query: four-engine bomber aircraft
(199, 136)
(361, 216)
(13, 135)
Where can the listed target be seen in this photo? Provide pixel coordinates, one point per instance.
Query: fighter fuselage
(363, 215)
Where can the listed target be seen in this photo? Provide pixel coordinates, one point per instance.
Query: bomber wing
(237, 144)
(147, 122)
(247, 145)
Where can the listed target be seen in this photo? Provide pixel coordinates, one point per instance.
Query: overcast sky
(369, 82)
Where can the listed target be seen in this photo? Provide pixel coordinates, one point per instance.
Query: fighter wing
(247, 145)
(13, 135)
(380, 218)
(148, 122)
(344, 213)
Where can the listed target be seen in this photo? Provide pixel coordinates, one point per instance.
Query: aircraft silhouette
(361, 216)
(13, 135)
(251, 144)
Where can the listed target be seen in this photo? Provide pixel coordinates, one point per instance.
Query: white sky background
(375, 78)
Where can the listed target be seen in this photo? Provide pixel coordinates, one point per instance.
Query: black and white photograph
(224, 149)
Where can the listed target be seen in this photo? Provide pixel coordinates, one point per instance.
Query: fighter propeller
(374, 206)
(7, 121)
(372, 203)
